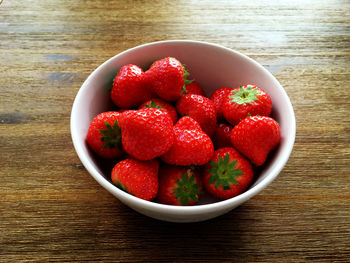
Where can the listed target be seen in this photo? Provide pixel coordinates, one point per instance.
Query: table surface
(51, 209)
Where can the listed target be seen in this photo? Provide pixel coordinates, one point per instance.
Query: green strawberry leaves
(224, 172)
(186, 81)
(120, 186)
(187, 189)
(111, 136)
(244, 95)
(152, 104)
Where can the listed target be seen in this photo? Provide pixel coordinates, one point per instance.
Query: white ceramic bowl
(212, 66)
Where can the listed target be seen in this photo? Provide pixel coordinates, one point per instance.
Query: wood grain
(51, 210)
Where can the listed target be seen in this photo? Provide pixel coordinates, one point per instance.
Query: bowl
(212, 66)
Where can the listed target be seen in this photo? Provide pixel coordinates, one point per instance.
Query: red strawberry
(246, 101)
(167, 78)
(218, 98)
(160, 104)
(200, 109)
(227, 174)
(222, 136)
(146, 133)
(104, 135)
(191, 144)
(139, 178)
(192, 88)
(179, 186)
(255, 137)
(129, 88)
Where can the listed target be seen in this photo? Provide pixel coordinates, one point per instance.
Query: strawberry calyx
(187, 189)
(223, 172)
(120, 186)
(186, 81)
(111, 135)
(152, 104)
(244, 94)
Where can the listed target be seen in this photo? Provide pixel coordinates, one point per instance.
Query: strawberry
(167, 78)
(129, 88)
(191, 145)
(255, 137)
(146, 133)
(222, 136)
(246, 101)
(104, 135)
(218, 98)
(192, 87)
(227, 174)
(161, 104)
(200, 109)
(179, 185)
(139, 178)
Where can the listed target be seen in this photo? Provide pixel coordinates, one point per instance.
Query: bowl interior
(213, 67)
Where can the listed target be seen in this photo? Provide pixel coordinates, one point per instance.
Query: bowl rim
(197, 209)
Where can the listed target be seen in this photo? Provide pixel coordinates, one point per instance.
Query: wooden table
(51, 209)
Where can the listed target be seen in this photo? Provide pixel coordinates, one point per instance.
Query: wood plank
(52, 210)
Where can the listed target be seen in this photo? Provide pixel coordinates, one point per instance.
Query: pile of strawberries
(171, 142)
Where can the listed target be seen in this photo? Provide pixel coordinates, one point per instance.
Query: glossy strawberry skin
(163, 105)
(179, 186)
(201, 109)
(139, 178)
(222, 136)
(234, 111)
(193, 88)
(146, 133)
(218, 97)
(255, 137)
(96, 139)
(191, 145)
(129, 87)
(166, 76)
(236, 185)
